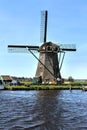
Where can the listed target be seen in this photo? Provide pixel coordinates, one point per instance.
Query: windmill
(51, 55)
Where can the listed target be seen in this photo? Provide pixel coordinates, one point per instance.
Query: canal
(43, 110)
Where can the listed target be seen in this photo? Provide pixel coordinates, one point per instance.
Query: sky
(20, 24)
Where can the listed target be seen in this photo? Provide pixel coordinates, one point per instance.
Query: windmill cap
(48, 47)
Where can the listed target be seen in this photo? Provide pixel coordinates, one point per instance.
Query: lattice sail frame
(22, 48)
(25, 48)
(43, 28)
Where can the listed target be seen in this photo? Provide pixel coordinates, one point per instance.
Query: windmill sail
(67, 47)
(43, 29)
(22, 48)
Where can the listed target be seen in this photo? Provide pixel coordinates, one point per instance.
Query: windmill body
(51, 55)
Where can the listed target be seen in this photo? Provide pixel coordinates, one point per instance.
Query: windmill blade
(22, 48)
(43, 29)
(68, 47)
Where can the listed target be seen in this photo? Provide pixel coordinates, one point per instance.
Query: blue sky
(20, 24)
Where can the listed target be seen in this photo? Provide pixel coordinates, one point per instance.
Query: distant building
(13, 80)
(6, 79)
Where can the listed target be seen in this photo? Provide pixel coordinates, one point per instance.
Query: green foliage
(70, 79)
(43, 87)
(26, 83)
(31, 86)
(79, 83)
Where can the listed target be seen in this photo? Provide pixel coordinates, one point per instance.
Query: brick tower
(48, 68)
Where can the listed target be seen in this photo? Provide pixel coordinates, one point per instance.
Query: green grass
(13, 87)
(31, 86)
(26, 83)
(42, 87)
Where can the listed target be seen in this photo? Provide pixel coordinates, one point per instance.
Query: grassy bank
(42, 87)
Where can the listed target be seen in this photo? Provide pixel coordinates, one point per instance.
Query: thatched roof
(6, 78)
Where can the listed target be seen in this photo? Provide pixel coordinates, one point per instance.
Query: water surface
(43, 110)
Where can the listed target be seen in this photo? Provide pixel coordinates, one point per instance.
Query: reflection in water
(50, 108)
(43, 110)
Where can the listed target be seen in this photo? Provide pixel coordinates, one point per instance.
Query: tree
(70, 79)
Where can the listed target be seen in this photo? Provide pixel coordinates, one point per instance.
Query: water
(1, 87)
(43, 110)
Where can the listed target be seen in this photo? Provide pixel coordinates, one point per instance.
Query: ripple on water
(43, 110)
